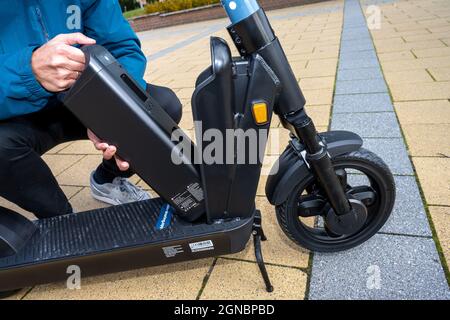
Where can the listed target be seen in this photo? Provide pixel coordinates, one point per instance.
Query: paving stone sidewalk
(402, 257)
(345, 80)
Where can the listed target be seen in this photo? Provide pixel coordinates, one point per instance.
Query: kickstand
(258, 236)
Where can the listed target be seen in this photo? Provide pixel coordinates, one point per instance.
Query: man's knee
(168, 101)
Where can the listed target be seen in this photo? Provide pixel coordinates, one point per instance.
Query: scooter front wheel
(365, 178)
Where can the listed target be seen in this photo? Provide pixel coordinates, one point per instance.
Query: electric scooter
(205, 209)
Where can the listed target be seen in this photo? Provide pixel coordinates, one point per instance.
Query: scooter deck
(115, 239)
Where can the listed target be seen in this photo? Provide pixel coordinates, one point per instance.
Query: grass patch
(134, 13)
(177, 5)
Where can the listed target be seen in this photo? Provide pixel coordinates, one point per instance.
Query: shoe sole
(105, 199)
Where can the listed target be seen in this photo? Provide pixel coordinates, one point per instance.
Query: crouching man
(40, 57)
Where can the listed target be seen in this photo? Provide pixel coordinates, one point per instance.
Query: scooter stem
(252, 34)
(238, 10)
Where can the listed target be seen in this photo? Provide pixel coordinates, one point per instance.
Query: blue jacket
(27, 24)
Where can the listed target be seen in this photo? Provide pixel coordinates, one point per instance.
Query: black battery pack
(109, 102)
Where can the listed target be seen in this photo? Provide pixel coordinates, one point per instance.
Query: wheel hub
(348, 223)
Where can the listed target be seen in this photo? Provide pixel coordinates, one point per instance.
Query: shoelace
(131, 190)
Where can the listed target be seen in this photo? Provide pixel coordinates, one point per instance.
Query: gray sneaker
(120, 191)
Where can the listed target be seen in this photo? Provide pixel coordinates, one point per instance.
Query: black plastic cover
(213, 106)
(263, 87)
(223, 101)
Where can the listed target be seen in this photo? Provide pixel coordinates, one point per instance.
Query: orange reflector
(260, 113)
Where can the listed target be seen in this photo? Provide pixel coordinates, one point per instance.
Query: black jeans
(25, 179)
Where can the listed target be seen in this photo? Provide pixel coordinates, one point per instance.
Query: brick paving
(406, 238)
(411, 89)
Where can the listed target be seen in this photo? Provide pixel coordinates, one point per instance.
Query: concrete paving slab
(369, 102)
(368, 125)
(367, 54)
(423, 112)
(352, 63)
(59, 147)
(320, 114)
(375, 270)
(278, 249)
(83, 201)
(319, 96)
(78, 174)
(434, 175)
(408, 216)
(408, 76)
(80, 147)
(398, 55)
(360, 86)
(236, 280)
(59, 163)
(19, 295)
(441, 222)
(427, 139)
(356, 45)
(440, 74)
(423, 91)
(420, 63)
(348, 275)
(393, 152)
(355, 33)
(173, 281)
(317, 83)
(359, 74)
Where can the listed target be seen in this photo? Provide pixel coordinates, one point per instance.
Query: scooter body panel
(230, 140)
(291, 168)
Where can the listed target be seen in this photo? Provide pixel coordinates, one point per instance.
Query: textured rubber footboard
(102, 230)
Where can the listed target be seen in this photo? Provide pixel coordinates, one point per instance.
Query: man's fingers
(73, 53)
(93, 137)
(101, 146)
(74, 38)
(109, 152)
(73, 66)
(64, 84)
(122, 165)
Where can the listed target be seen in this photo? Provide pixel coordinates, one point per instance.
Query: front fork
(318, 159)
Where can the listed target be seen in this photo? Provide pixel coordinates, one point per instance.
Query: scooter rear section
(115, 239)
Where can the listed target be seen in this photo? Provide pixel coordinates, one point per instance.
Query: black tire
(381, 180)
(6, 294)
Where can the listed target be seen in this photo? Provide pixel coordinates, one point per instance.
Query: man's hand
(108, 151)
(57, 64)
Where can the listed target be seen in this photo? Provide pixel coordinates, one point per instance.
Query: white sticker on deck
(201, 246)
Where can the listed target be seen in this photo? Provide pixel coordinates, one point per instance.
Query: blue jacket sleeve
(103, 21)
(20, 92)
